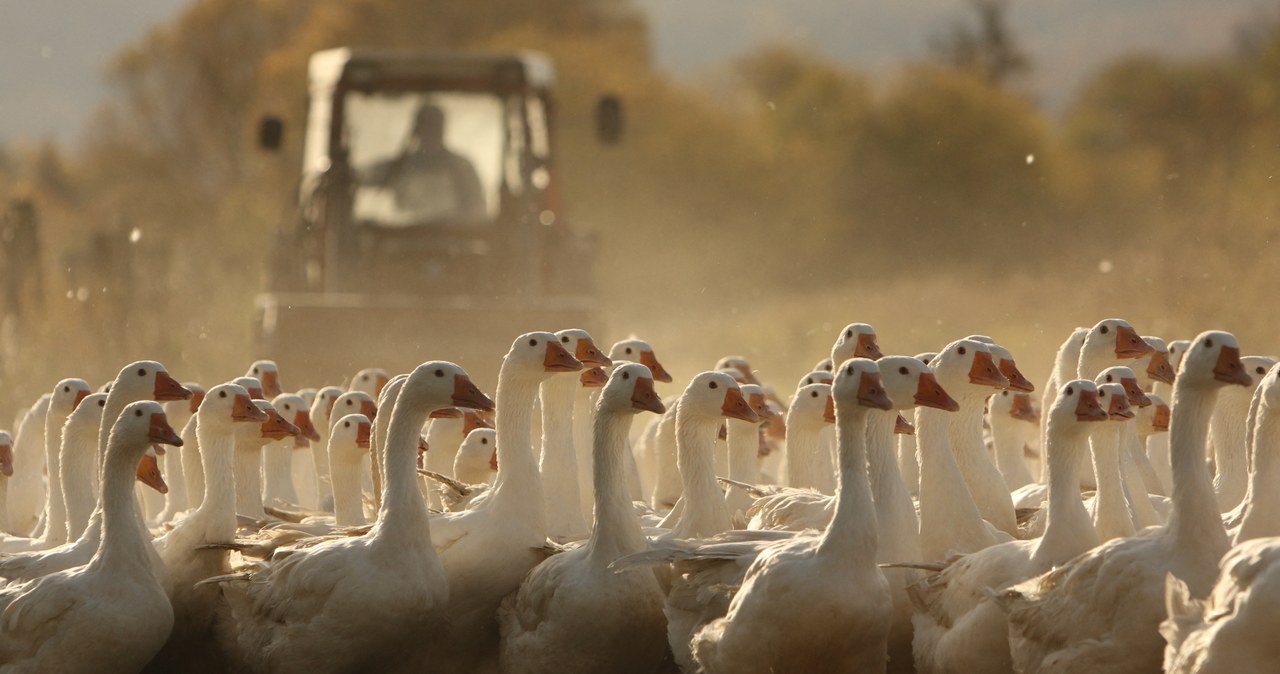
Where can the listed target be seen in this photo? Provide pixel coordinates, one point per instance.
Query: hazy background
(789, 167)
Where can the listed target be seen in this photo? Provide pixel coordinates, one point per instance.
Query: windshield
(425, 158)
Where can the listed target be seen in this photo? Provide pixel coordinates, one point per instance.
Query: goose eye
(628, 351)
(960, 350)
(1004, 393)
(137, 413)
(848, 334)
(813, 394)
(903, 370)
(440, 373)
(102, 403)
(1104, 330)
(565, 339)
(222, 394)
(1070, 391)
(255, 370)
(142, 372)
(346, 424)
(67, 389)
(484, 441)
(849, 371)
(533, 342)
(1260, 370)
(1108, 379)
(1208, 343)
(626, 375)
(711, 385)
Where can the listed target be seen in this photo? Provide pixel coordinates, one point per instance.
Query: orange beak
(306, 429)
(6, 459)
(1137, 397)
(465, 393)
(760, 405)
(271, 384)
(379, 382)
(256, 393)
(197, 397)
(650, 361)
(276, 428)
(736, 407)
(167, 388)
(80, 395)
(593, 377)
(903, 427)
(1022, 408)
(1229, 369)
(1017, 382)
(588, 354)
(1129, 344)
(472, 421)
(867, 347)
(1161, 423)
(160, 432)
(1159, 369)
(871, 393)
(984, 371)
(149, 474)
(1088, 408)
(829, 411)
(644, 398)
(369, 409)
(243, 409)
(929, 393)
(1119, 408)
(362, 434)
(328, 407)
(559, 360)
(493, 460)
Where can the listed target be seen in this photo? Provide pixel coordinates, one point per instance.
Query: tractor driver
(428, 179)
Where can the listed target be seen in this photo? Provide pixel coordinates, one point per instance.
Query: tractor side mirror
(609, 122)
(270, 133)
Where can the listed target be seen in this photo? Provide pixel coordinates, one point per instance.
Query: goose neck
(705, 512)
(1195, 522)
(79, 471)
(517, 488)
(1067, 527)
(348, 499)
(852, 531)
(248, 478)
(1110, 512)
(55, 505)
(801, 447)
(744, 445)
(123, 545)
(616, 531)
(403, 518)
(217, 454)
(1262, 502)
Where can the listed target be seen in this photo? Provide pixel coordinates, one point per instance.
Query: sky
(54, 51)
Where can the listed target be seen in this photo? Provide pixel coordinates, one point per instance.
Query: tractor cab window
(425, 159)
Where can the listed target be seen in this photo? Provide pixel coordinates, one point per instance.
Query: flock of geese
(894, 513)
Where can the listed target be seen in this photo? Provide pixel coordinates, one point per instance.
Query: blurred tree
(987, 48)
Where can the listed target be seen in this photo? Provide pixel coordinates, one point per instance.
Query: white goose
(477, 459)
(1233, 630)
(1258, 515)
(180, 413)
(642, 463)
(348, 445)
(576, 593)
(112, 613)
(1227, 436)
(1101, 610)
(63, 401)
(743, 443)
(250, 440)
(277, 457)
(373, 601)
(1158, 449)
(957, 628)
(585, 396)
(811, 410)
(79, 462)
(226, 409)
(1111, 516)
(488, 549)
(1012, 422)
(321, 408)
(558, 461)
(950, 521)
(369, 381)
(135, 382)
(838, 623)
(268, 373)
(26, 487)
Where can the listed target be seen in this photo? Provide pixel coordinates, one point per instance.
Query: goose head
(1269, 390)
(1178, 349)
(1257, 366)
(630, 390)
(580, 344)
(713, 395)
(197, 396)
(909, 382)
(141, 426)
(758, 399)
(1213, 361)
(811, 407)
(147, 380)
(927, 357)
(824, 365)
(639, 351)
(1115, 400)
(857, 340)
(6, 454)
(967, 368)
(536, 356)
(439, 383)
(227, 406)
(252, 385)
(308, 394)
(351, 434)
(1016, 405)
(1155, 417)
(740, 364)
(67, 395)
(322, 406)
(1078, 400)
(816, 377)
(1125, 377)
(735, 373)
(593, 377)
(87, 416)
(857, 386)
(1111, 340)
(352, 402)
(369, 380)
(293, 409)
(478, 452)
(269, 374)
(276, 427)
(1004, 361)
(148, 472)
(1156, 364)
